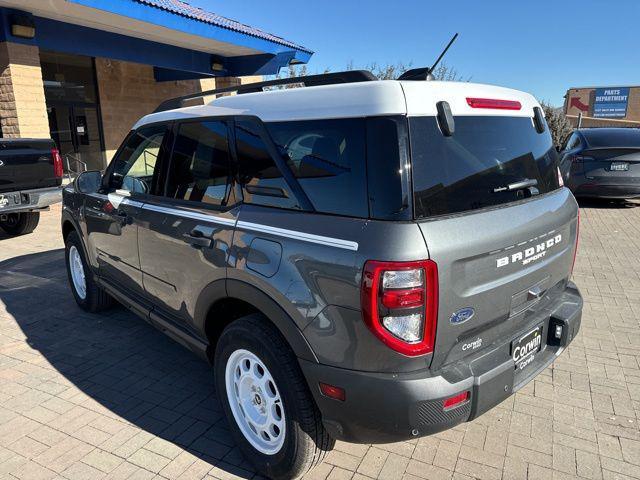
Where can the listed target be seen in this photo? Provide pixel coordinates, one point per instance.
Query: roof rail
(351, 76)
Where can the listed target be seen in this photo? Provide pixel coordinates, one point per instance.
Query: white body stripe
(305, 237)
(116, 200)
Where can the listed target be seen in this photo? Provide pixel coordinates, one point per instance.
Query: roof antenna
(426, 73)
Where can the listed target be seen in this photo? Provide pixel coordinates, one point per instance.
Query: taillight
(494, 103)
(400, 304)
(577, 163)
(575, 250)
(58, 170)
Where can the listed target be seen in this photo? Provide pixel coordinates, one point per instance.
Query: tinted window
(328, 159)
(199, 166)
(573, 142)
(261, 179)
(472, 168)
(388, 171)
(135, 166)
(612, 137)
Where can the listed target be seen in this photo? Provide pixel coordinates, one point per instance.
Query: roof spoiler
(351, 76)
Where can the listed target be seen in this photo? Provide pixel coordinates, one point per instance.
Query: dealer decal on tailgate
(523, 350)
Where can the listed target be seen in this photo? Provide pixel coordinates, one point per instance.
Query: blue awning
(180, 40)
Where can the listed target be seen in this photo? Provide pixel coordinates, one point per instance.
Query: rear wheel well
(67, 228)
(221, 314)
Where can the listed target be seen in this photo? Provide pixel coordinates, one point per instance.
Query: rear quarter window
(469, 170)
(328, 158)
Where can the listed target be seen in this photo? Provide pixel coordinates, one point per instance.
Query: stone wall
(23, 111)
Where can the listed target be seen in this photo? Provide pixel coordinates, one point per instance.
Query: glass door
(72, 105)
(75, 129)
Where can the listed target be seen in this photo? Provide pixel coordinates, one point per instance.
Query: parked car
(30, 180)
(371, 261)
(602, 162)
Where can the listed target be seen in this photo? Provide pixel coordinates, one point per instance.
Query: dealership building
(614, 106)
(83, 71)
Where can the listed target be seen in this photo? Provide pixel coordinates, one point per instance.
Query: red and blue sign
(611, 102)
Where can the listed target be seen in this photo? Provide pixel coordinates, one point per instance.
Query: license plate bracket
(524, 348)
(619, 166)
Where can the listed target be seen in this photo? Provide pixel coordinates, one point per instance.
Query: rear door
(496, 222)
(188, 226)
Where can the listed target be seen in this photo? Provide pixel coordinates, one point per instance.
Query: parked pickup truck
(30, 180)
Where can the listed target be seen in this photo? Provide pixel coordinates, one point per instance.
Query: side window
(134, 170)
(572, 142)
(199, 165)
(261, 180)
(328, 158)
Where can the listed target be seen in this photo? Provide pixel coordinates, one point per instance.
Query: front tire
(271, 413)
(88, 294)
(20, 223)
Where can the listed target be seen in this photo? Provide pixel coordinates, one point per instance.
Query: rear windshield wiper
(520, 185)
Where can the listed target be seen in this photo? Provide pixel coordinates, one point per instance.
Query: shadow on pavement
(118, 360)
(603, 203)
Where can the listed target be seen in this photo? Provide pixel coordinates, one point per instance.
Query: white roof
(363, 99)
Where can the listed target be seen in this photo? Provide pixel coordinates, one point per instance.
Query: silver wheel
(77, 272)
(255, 402)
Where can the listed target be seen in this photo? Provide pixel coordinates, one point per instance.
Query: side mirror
(89, 182)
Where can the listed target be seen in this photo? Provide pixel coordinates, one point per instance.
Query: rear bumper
(26, 200)
(614, 187)
(384, 407)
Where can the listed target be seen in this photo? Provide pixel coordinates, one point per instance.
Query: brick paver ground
(107, 396)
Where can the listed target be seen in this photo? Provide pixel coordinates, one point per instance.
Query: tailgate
(500, 263)
(26, 164)
(610, 164)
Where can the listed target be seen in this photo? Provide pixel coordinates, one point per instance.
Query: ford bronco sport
(364, 260)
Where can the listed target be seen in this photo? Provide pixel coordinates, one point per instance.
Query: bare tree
(559, 125)
(389, 71)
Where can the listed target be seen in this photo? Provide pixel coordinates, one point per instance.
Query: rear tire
(20, 223)
(88, 294)
(271, 413)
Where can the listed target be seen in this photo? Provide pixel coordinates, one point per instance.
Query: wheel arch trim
(238, 290)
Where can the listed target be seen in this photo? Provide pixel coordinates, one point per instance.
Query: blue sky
(542, 46)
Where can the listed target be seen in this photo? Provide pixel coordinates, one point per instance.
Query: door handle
(197, 239)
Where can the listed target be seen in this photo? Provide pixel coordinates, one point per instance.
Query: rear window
(608, 137)
(473, 168)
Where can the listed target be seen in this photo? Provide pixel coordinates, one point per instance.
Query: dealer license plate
(523, 350)
(619, 166)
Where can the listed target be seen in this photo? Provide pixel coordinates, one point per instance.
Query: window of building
(199, 166)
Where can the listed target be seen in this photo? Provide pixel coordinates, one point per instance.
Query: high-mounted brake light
(58, 170)
(494, 103)
(400, 304)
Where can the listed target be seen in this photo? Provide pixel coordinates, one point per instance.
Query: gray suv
(370, 261)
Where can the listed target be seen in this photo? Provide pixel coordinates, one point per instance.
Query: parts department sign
(611, 102)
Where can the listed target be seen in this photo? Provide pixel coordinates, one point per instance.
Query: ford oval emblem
(462, 315)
